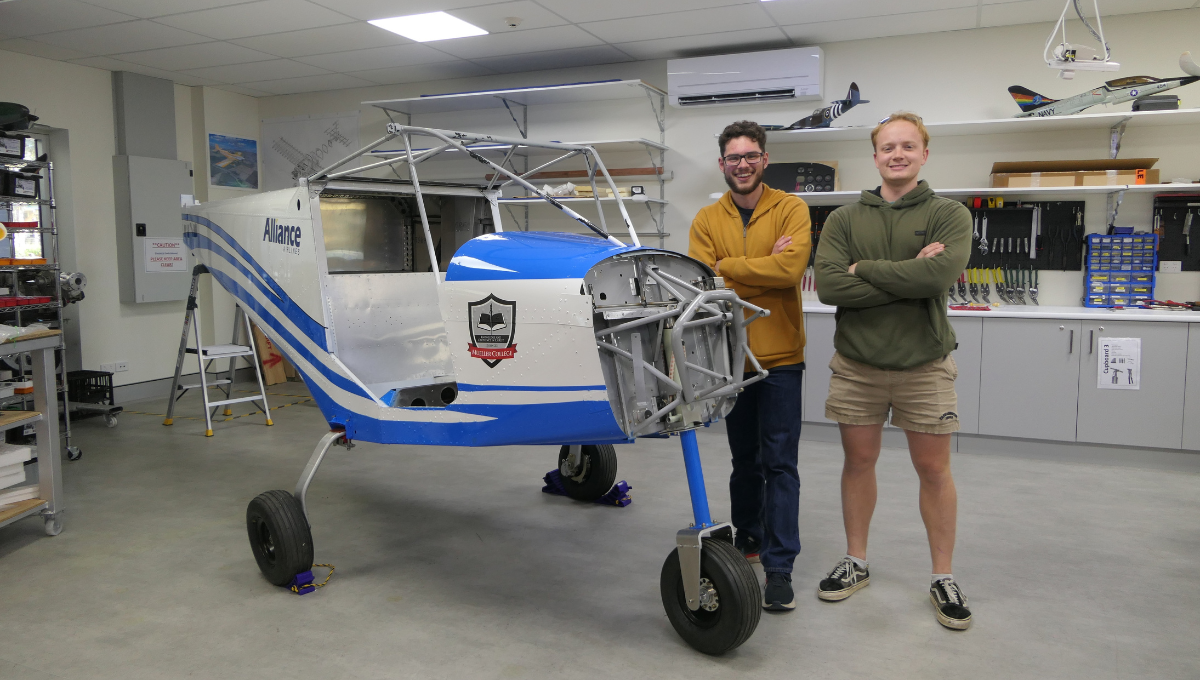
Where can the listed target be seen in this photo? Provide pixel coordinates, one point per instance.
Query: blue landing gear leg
(708, 589)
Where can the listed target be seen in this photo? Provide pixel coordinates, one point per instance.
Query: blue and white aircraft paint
(450, 331)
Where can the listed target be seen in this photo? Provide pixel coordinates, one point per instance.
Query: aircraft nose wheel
(279, 536)
(730, 599)
(593, 476)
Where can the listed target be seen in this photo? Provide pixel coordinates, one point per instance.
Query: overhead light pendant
(429, 27)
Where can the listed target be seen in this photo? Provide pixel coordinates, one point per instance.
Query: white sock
(861, 564)
(938, 577)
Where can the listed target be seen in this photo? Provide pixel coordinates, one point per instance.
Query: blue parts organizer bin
(1121, 269)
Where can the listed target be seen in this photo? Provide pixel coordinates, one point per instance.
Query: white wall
(959, 75)
(79, 99)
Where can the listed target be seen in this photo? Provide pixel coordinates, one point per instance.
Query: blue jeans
(764, 489)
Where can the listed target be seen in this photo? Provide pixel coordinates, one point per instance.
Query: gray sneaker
(841, 583)
(950, 604)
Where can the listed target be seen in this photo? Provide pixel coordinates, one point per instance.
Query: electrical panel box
(152, 258)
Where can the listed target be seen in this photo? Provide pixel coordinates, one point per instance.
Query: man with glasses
(758, 239)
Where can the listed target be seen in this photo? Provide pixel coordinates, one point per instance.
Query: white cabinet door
(1191, 402)
(1150, 416)
(968, 357)
(1029, 380)
(817, 355)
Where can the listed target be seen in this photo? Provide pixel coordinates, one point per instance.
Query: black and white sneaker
(841, 583)
(778, 595)
(950, 604)
(749, 547)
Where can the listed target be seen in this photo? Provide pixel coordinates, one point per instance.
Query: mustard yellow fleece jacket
(758, 277)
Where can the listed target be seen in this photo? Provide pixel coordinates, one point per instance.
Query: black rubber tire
(738, 596)
(279, 536)
(599, 472)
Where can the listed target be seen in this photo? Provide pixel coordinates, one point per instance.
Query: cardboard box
(269, 358)
(1086, 178)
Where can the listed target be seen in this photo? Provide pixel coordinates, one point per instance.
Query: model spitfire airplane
(1113, 92)
(821, 118)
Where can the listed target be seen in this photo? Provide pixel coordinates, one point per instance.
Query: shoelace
(843, 568)
(953, 595)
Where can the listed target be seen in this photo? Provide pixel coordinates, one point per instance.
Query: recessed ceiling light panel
(429, 27)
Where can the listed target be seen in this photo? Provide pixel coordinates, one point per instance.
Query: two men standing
(886, 263)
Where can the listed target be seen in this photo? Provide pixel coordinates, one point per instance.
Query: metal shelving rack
(516, 101)
(20, 315)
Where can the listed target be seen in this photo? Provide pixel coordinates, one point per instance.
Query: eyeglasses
(753, 158)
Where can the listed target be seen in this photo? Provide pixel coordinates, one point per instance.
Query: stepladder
(236, 349)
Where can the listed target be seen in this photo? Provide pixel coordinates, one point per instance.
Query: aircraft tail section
(1027, 99)
(1188, 64)
(854, 97)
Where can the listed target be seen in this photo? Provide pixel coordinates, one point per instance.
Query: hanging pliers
(1034, 286)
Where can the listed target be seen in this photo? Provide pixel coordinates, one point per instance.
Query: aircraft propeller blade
(1188, 64)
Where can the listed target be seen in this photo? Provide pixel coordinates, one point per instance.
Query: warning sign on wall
(165, 255)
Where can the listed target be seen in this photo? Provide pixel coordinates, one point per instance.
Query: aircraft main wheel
(279, 536)
(595, 476)
(730, 599)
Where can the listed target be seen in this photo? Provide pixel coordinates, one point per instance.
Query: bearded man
(758, 239)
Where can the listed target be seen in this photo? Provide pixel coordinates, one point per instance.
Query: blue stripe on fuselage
(311, 329)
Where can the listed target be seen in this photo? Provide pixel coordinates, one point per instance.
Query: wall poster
(1119, 365)
(232, 162)
(296, 147)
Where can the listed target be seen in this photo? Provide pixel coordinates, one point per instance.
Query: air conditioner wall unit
(789, 75)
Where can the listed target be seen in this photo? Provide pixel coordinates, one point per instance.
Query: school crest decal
(492, 324)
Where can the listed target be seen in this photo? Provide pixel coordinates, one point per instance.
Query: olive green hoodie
(892, 309)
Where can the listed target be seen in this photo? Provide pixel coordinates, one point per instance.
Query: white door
(1029, 379)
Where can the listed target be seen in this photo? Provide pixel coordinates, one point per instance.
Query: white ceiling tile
(378, 57)
(242, 89)
(39, 49)
(256, 18)
(333, 81)
(382, 9)
(751, 40)
(30, 17)
(788, 12)
(157, 8)
(542, 61)
(423, 73)
(517, 42)
(196, 56)
(260, 70)
(880, 27)
(594, 10)
(129, 36)
(1025, 12)
(110, 64)
(355, 36)
(491, 17)
(697, 22)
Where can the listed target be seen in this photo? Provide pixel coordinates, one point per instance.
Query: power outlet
(1170, 266)
(115, 367)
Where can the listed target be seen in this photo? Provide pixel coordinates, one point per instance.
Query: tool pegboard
(1038, 234)
(1173, 214)
(817, 215)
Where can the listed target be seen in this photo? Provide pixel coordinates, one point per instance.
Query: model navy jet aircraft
(1112, 92)
(821, 118)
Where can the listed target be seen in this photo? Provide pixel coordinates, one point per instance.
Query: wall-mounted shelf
(10, 162)
(850, 196)
(1081, 121)
(21, 200)
(534, 200)
(524, 96)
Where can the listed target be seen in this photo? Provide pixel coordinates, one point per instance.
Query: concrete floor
(452, 564)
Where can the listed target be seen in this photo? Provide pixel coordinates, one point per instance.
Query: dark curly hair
(743, 128)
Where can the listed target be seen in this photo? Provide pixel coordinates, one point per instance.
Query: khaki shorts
(921, 399)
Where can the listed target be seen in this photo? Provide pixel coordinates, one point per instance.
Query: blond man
(886, 262)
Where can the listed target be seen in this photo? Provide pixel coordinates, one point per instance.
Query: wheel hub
(709, 601)
(576, 475)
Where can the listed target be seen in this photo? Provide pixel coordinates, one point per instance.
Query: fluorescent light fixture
(429, 27)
